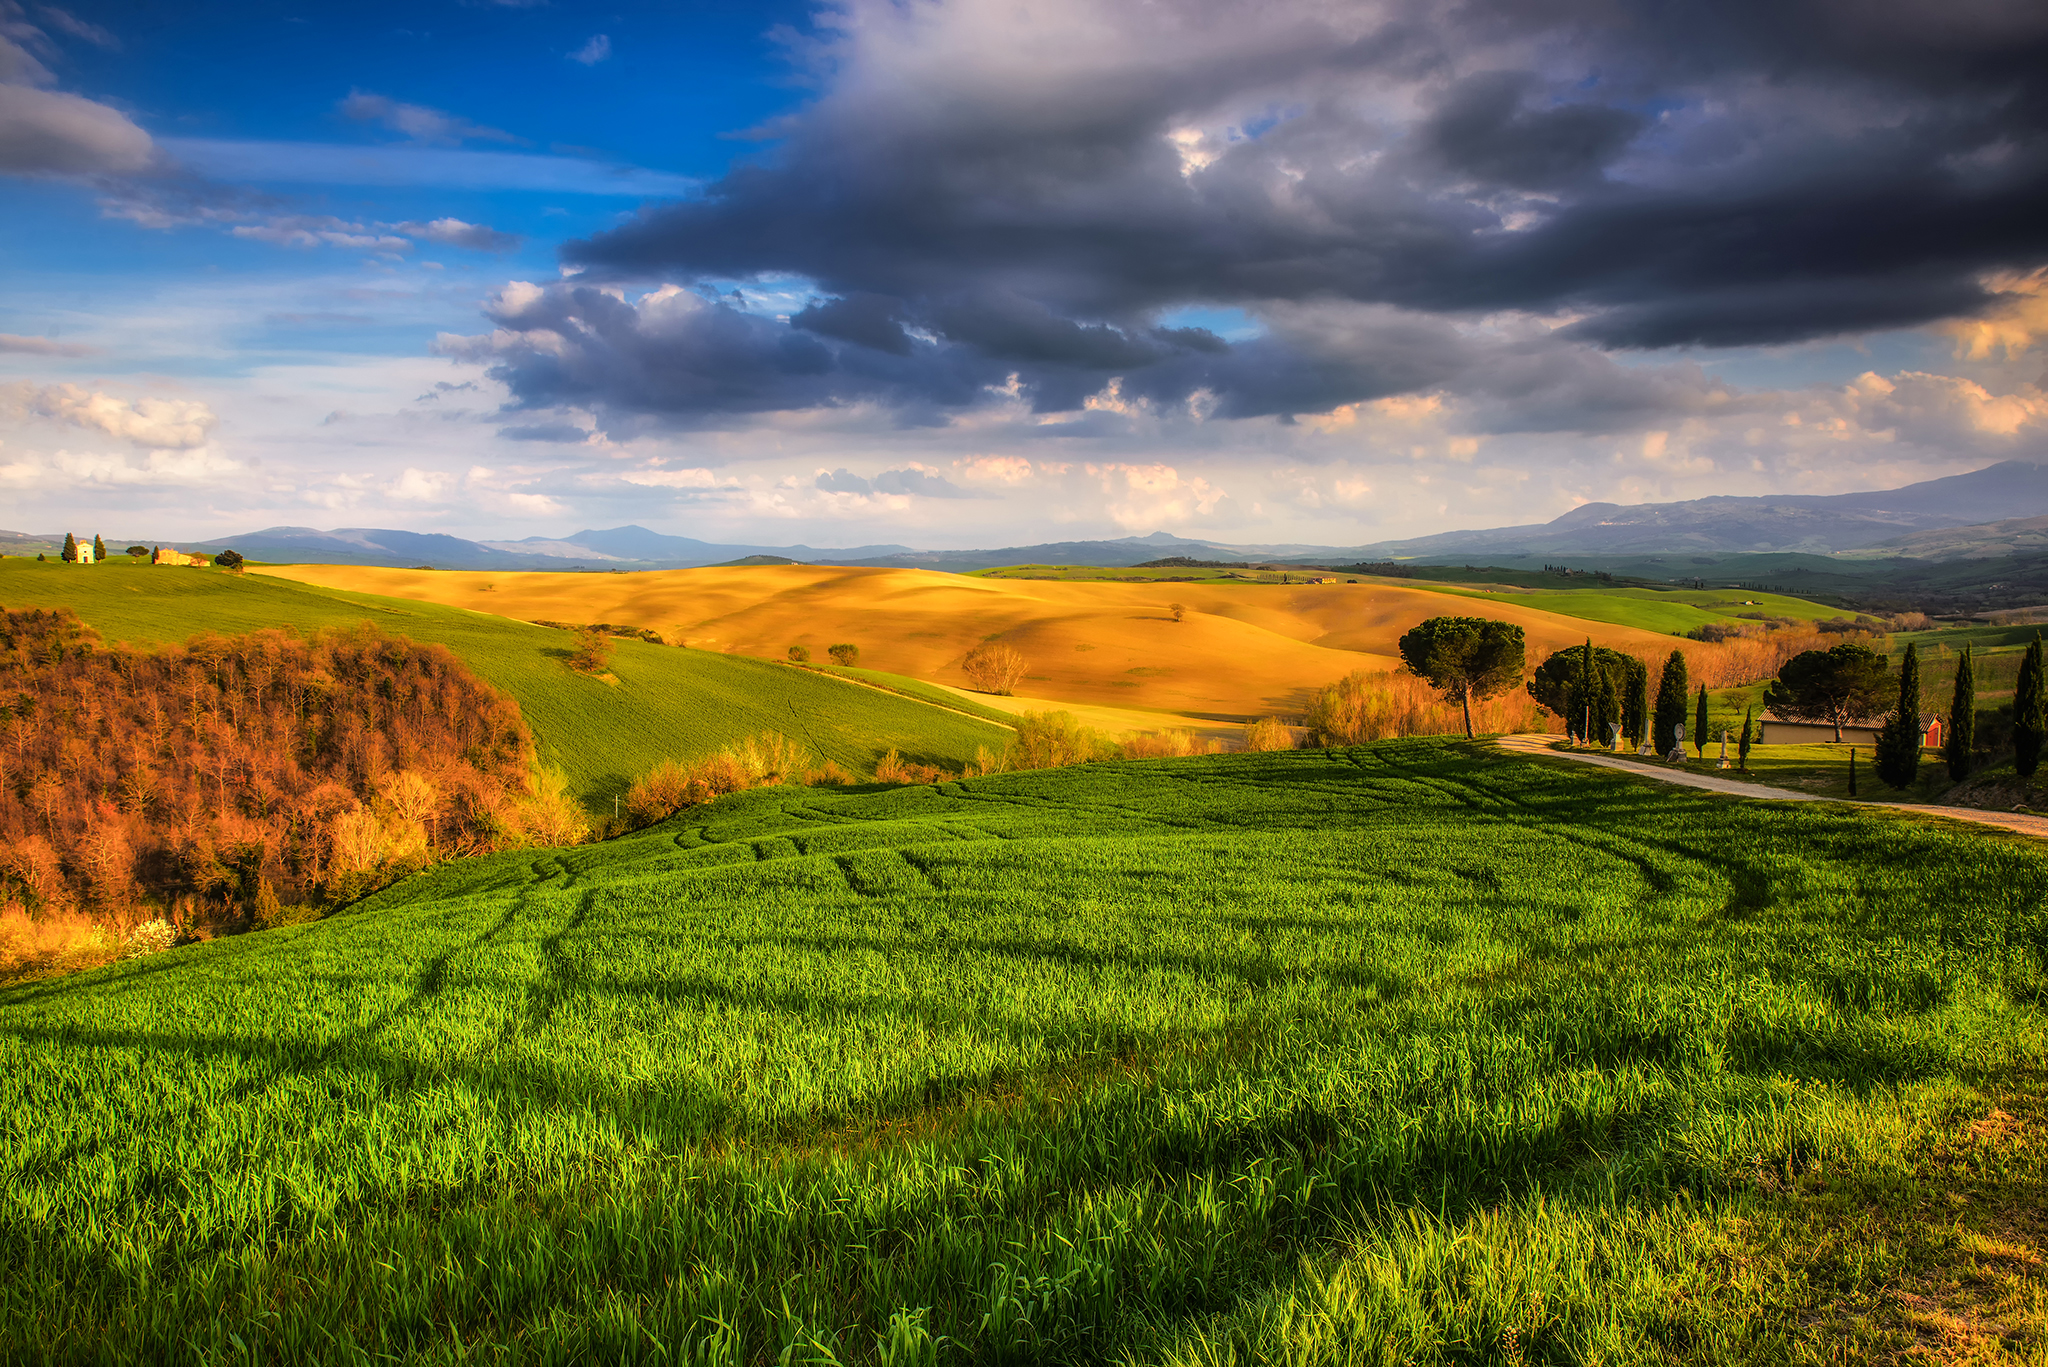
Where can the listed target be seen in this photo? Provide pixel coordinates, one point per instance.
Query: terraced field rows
(1410, 1052)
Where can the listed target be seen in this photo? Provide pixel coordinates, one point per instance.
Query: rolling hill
(1415, 1052)
(1244, 649)
(659, 702)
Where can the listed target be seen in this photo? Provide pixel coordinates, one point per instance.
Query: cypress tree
(99, 549)
(70, 549)
(1742, 746)
(1589, 688)
(2029, 712)
(1962, 719)
(1898, 744)
(1605, 706)
(1699, 723)
(1638, 702)
(1671, 691)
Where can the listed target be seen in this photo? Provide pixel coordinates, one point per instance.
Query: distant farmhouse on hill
(168, 555)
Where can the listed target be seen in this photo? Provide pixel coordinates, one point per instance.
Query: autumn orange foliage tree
(224, 777)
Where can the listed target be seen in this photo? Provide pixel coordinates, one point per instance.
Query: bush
(1373, 706)
(228, 560)
(847, 655)
(995, 668)
(893, 768)
(1160, 745)
(1267, 733)
(593, 652)
(755, 762)
(1051, 740)
(799, 655)
(151, 937)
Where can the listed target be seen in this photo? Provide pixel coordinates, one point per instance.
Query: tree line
(220, 780)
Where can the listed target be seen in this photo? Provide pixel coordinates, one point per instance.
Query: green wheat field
(1416, 1052)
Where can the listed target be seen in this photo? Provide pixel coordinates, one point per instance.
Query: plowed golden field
(1243, 650)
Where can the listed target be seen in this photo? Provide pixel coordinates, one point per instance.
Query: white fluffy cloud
(156, 424)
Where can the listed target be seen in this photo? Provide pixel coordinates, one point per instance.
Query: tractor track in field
(1539, 746)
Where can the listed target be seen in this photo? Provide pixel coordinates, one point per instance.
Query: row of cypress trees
(1898, 744)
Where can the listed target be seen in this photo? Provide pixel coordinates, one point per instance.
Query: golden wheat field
(1242, 649)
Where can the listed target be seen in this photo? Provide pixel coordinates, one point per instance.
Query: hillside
(1732, 524)
(1243, 650)
(2006, 537)
(659, 701)
(1299, 1053)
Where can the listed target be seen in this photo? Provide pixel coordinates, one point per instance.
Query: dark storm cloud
(978, 200)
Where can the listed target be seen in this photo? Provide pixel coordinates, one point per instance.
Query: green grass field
(1676, 611)
(662, 702)
(1414, 1053)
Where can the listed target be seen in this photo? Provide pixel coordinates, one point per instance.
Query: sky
(956, 273)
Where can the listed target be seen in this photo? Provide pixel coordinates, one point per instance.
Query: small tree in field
(1179, 611)
(229, 560)
(593, 651)
(844, 654)
(138, 551)
(993, 667)
(1465, 658)
(799, 655)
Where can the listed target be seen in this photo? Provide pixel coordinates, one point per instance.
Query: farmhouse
(1780, 731)
(166, 555)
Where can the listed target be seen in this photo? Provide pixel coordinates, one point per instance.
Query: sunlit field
(653, 703)
(1416, 1052)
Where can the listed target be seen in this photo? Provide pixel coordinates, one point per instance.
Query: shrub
(1051, 740)
(1160, 745)
(827, 775)
(151, 937)
(757, 761)
(844, 654)
(229, 560)
(995, 668)
(1267, 733)
(768, 758)
(1179, 611)
(1373, 706)
(593, 652)
(799, 655)
(893, 768)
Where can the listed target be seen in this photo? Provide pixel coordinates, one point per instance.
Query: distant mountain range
(1733, 525)
(1996, 511)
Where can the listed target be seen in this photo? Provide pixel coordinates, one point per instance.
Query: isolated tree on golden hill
(993, 667)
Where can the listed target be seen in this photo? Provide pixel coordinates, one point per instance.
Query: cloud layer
(1397, 196)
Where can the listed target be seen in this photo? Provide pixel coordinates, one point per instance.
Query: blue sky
(967, 273)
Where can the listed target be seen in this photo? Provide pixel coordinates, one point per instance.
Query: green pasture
(660, 701)
(1411, 1053)
(1673, 612)
(915, 688)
